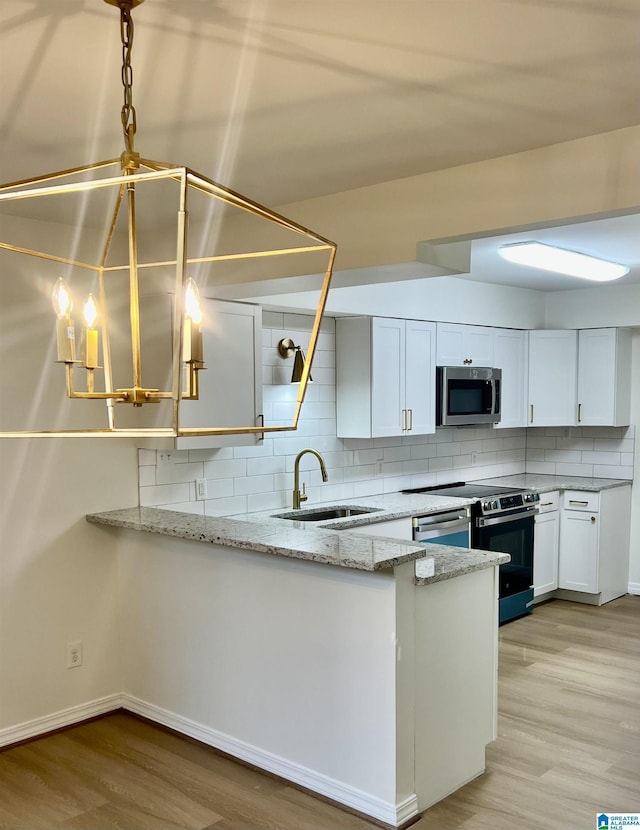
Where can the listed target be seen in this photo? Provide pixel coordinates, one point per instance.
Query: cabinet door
(231, 387)
(552, 377)
(420, 377)
(387, 377)
(604, 375)
(545, 553)
(578, 563)
(510, 353)
(460, 345)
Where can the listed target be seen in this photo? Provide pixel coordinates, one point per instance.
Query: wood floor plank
(568, 747)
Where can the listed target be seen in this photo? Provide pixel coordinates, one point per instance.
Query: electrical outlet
(474, 458)
(74, 654)
(164, 457)
(201, 489)
(378, 468)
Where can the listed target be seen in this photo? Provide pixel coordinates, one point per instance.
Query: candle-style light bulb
(90, 314)
(192, 306)
(65, 330)
(61, 298)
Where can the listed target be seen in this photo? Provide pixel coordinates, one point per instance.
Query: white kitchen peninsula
(341, 662)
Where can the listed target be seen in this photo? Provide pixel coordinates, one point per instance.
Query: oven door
(511, 533)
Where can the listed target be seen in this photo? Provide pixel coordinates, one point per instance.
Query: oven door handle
(461, 522)
(512, 517)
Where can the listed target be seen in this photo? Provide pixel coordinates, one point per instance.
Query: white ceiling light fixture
(562, 261)
(93, 232)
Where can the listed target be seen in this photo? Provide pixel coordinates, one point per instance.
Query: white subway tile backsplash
(146, 458)
(176, 473)
(613, 472)
(441, 463)
(164, 494)
(401, 453)
(607, 458)
(226, 468)
(219, 488)
(146, 476)
(233, 506)
(254, 484)
(264, 466)
(260, 477)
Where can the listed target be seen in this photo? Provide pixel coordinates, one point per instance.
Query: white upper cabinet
(231, 391)
(385, 377)
(420, 379)
(604, 377)
(511, 354)
(462, 345)
(553, 361)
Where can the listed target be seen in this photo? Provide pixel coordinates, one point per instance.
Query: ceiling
(286, 100)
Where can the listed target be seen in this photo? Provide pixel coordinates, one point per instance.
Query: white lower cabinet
(546, 545)
(594, 544)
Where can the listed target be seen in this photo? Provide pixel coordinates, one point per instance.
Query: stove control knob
(486, 505)
(495, 505)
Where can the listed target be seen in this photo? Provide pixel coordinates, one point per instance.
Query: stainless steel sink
(323, 514)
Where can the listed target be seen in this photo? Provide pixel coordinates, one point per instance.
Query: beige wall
(381, 224)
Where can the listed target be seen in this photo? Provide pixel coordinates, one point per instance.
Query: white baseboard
(65, 717)
(393, 814)
(634, 588)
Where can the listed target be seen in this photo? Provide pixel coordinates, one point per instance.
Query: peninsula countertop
(331, 543)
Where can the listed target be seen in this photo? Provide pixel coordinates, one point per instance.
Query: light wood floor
(568, 747)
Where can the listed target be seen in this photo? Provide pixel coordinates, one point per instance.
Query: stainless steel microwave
(467, 395)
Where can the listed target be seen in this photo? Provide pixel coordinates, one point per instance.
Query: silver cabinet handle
(410, 420)
(574, 501)
(531, 419)
(579, 412)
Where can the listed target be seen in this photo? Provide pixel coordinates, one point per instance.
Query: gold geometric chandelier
(104, 243)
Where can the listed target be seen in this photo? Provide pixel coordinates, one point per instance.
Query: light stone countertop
(449, 562)
(319, 541)
(303, 540)
(545, 483)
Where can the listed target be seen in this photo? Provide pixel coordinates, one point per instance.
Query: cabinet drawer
(549, 502)
(579, 500)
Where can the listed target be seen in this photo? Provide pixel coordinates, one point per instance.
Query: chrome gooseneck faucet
(299, 497)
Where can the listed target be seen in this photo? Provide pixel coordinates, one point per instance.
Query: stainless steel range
(502, 519)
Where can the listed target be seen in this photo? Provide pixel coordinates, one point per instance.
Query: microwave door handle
(493, 397)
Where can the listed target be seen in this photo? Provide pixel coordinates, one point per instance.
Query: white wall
(447, 299)
(58, 577)
(234, 666)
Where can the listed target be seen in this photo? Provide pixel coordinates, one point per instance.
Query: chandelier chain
(128, 114)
